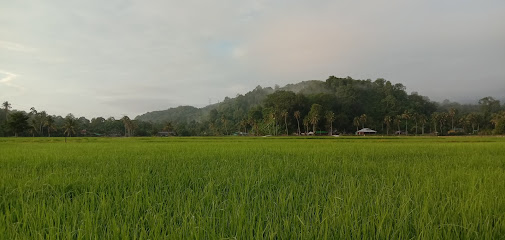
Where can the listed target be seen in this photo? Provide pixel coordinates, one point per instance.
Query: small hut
(365, 131)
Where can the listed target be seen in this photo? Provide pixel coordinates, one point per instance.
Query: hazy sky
(114, 57)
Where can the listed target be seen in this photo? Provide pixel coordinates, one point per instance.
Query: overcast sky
(115, 57)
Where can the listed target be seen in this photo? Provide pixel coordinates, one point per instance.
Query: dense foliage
(337, 105)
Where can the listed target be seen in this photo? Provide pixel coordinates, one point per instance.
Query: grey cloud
(147, 55)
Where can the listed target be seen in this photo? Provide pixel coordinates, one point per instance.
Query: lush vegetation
(337, 105)
(289, 188)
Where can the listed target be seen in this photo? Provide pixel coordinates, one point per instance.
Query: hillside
(189, 113)
(250, 99)
(336, 105)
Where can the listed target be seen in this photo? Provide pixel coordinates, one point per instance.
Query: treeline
(334, 106)
(41, 124)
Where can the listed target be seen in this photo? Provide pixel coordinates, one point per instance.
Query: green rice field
(253, 188)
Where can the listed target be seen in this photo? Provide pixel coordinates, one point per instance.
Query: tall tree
(498, 120)
(128, 126)
(49, 123)
(297, 117)
(415, 116)
(69, 126)
(422, 120)
(363, 119)
(314, 119)
(435, 118)
(406, 117)
(315, 115)
(225, 122)
(6, 105)
(255, 117)
(284, 114)
(306, 122)
(489, 105)
(398, 121)
(330, 117)
(473, 119)
(243, 124)
(270, 120)
(356, 123)
(33, 111)
(18, 122)
(442, 121)
(387, 121)
(37, 121)
(33, 127)
(452, 114)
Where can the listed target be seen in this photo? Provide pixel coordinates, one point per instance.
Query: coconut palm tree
(128, 125)
(284, 114)
(473, 119)
(314, 115)
(314, 119)
(6, 105)
(297, 116)
(443, 120)
(306, 122)
(435, 119)
(387, 121)
(452, 114)
(415, 116)
(70, 125)
(397, 121)
(34, 127)
(49, 123)
(330, 117)
(422, 120)
(38, 120)
(363, 119)
(356, 123)
(406, 117)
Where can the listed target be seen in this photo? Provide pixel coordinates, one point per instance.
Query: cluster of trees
(344, 105)
(35, 123)
(337, 105)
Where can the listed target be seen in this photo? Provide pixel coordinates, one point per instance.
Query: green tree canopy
(18, 122)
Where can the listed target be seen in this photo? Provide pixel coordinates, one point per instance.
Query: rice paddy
(252, 188)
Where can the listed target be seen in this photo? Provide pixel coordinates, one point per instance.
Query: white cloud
(15, 47)
(8, 80)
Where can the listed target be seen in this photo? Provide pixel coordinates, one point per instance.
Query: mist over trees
(337, 105)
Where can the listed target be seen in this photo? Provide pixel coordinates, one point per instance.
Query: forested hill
(346, 97)
(190, 113)
(337, 105)
(250, 99)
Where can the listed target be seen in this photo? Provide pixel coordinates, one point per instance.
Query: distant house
(365, 131)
